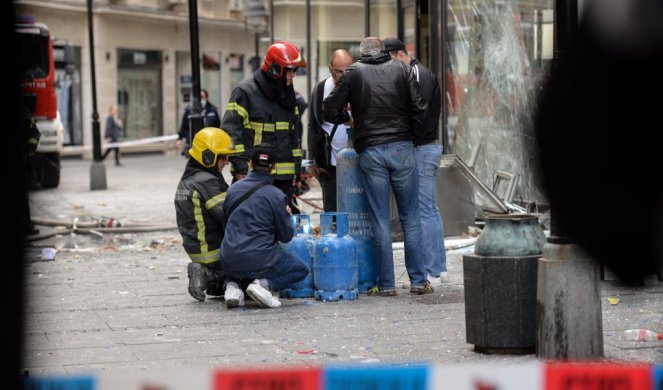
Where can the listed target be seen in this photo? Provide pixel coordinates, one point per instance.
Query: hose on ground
(100, 231)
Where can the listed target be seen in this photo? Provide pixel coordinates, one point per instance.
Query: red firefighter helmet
(282, 55)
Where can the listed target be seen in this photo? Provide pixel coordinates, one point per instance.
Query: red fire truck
(38, 93)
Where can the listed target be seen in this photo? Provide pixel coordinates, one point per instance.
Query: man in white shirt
(320, 131)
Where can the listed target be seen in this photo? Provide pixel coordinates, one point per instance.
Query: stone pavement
(119, 303)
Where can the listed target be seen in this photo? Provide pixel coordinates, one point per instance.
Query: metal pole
(257, 53)
(271, 21)
(367, 18)
(97, 170)
(569, 317)
(445, 66)
(566, 25)
(195, 119)
(308, 48)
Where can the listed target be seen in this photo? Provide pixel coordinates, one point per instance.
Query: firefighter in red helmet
(263, 109)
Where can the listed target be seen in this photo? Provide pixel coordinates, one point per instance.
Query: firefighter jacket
(30, 132)
(199, 211)
(256, 226)
(264, 110)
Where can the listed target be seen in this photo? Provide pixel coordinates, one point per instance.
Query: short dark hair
(370, 45)
(393, 45)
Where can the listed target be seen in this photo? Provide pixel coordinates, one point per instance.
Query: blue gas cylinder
(351, 198)
(335, 261)
(302, 246)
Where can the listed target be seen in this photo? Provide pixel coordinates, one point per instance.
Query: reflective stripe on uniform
(282, 125)
(284, 168)
(198, 215)
(241, 111)
(296, 152)
(258, 128)
(215, 200)
(239, 148)
(205, 258)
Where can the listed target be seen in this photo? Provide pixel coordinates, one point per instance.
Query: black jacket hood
(375, 57)
(276, 90)
(193, 167)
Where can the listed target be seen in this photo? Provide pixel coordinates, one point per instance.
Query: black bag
(328, 148)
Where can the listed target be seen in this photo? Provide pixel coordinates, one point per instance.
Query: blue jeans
(392, 166)
(290, 269)
(428, 166)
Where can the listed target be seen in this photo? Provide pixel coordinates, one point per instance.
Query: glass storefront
(140, 102)
(498, 54)
(139, 97)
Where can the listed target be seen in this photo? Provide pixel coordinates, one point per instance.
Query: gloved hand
(297, 185)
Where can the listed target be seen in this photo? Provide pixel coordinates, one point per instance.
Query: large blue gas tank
(351, 198)
(335, 262)
(302, 246)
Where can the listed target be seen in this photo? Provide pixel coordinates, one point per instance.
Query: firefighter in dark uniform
(263, 109)
(31, 136)
(199, 210)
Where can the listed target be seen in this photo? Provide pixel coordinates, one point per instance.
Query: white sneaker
(262, 295)
(437, 281)
(233, 295)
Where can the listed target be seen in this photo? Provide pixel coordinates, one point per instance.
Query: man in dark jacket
(428, 152)
(264, 108)
(258, 219)
(199, 209)
(388, 112)
(210, 115)
(31, 137)
(321, 132)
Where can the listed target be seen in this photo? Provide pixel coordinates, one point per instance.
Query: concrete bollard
(569, 320)
(500, 285)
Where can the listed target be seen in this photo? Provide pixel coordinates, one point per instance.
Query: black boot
(215, 284)
(199, 275)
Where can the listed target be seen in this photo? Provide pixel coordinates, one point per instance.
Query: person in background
(210, 115)
(388, 112)
(320, 132)
(427, 152)
(31, 136)
(199, 210)
(263, 108)
(258, 219)
(112, 133)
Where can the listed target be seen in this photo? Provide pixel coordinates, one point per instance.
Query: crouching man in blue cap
(258, 218)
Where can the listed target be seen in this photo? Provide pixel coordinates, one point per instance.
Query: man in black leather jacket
(388, 112)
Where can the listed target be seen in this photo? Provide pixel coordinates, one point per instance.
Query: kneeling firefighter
(199, 210)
